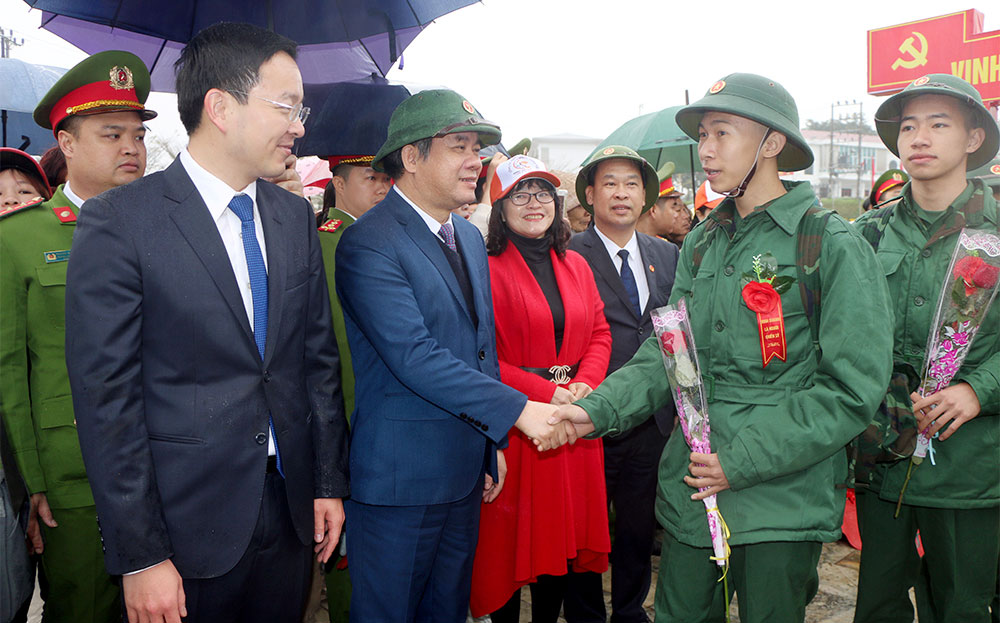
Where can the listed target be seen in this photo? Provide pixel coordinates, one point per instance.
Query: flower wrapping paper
(680, 361)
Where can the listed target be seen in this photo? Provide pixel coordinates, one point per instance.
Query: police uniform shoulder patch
(64, 214)
(331, 225)
(5, 212)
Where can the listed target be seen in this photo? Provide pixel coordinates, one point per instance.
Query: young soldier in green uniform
(778, 430)
(96, 112)
(357, 188)
(939, 128)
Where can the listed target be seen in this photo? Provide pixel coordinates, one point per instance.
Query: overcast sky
(541, 67)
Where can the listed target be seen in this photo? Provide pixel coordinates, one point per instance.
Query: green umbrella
(658, 139)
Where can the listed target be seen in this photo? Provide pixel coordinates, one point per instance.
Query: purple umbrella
(339, 40)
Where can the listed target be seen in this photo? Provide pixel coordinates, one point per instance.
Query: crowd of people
(446, 385)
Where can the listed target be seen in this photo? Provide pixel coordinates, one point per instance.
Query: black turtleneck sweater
(535, 252)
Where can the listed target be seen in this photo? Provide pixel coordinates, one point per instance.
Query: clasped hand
(538, 423)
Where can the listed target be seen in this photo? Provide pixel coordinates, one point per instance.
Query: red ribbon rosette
(764, 300)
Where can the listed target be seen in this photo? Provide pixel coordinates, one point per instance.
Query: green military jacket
(329, 237)
(779, 431)
(915, 256)
(34, 385)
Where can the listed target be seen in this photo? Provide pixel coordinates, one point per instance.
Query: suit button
(719, 326)
(482, 355)
(641, 330)
(486, 427)
(260, 438)
(463, 416)
(729, 270)
(267, 376)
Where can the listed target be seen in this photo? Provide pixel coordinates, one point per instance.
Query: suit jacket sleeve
(323, 381)
(103, 342)
(376, 293)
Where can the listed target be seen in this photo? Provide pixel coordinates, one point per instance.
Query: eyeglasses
(297, 111)
(523, 199)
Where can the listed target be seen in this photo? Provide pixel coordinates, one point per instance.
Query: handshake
(550, 426)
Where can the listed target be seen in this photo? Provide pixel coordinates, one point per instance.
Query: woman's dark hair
(225, 56)
(558, 233)
(53, 162)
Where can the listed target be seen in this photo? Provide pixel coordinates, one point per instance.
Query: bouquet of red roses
(970, 286)
(680, 360)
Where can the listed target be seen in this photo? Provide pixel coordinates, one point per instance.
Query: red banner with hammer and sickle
(948, 44)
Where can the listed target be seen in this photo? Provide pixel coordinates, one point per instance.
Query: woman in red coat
(548, 527)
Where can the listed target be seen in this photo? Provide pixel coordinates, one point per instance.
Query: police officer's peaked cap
(759, 99)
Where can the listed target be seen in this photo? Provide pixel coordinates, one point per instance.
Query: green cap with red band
(110, 81)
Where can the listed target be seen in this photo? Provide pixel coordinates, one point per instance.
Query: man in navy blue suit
(430, 413)
(202, 359)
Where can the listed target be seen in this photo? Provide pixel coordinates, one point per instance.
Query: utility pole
(7, 41)
(845, 117)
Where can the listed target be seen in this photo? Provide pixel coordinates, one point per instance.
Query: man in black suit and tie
(201, 355)
(634, 274)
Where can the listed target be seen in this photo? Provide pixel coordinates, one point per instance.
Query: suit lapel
(421, 236)
(646, 255)
(604, 267)
(192, 218)
(475, 265)
(277, 267)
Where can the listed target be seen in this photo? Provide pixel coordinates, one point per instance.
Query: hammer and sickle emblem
(560, 374)
(918, 56)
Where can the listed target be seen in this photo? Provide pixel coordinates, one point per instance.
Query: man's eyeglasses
(298, 111)
(523, 199)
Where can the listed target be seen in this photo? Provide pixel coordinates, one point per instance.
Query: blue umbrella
(349, 118)
(340, 39)
(24, 85)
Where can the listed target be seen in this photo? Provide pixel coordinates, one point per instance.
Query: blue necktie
(448, 234)
(628, 279)
(242, 206)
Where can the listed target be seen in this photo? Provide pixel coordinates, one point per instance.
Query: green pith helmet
(650, 182)
(890, 179)
(759, 99)
(430, 114)
(110, 81)
(888, 114)
(990, 172)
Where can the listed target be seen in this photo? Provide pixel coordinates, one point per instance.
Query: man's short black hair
(392, 164)
(224, 56)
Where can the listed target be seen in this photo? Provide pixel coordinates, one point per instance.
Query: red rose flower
(760, 297)
(669, 339)
(986, 276)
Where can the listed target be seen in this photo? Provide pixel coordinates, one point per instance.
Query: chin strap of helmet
(742, 188)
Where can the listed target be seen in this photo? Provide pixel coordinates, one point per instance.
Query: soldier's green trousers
(338, 594)
(773, 582)
(80, 589)
(961, 547)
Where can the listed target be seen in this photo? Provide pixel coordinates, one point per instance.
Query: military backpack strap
(808, 250)
(873, 228)
(698, 253)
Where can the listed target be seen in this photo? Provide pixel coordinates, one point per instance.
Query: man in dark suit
(430, 412)
(634, 274)
(201, 356)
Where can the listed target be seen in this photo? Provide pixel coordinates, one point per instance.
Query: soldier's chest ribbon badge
(762, 291)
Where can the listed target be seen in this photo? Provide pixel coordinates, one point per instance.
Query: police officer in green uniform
(357, 188)
(96, 112)
(778, 431)
(940, 129)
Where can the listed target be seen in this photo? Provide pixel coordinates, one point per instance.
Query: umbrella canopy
(349, 118)
(24, 85)
(658, 139)
(314, 173)
(339, 39)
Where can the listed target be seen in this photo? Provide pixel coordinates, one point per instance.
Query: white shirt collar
(432, 223)
(214, 192)
(632, 246)
(72, 196)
